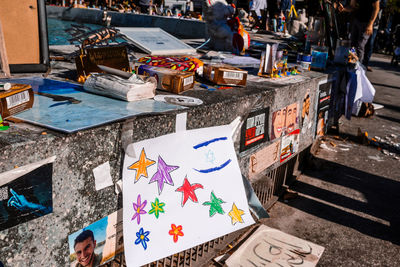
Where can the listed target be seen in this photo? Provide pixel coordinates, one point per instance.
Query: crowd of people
(152, 7)
(365, 22)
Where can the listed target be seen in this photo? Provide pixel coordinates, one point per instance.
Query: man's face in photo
(85, 251)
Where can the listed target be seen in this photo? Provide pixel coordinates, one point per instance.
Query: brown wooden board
(21, 30)
(4, 68)
(114, 57)
(25, 34)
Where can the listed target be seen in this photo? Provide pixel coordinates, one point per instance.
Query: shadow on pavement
(383, 64)
(388, 106)
(382, 200)
(386, 85)
(389, 118)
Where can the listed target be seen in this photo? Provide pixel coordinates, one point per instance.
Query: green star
(157, 208)
(215, 205)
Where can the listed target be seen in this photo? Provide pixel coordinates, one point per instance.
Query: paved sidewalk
(349, 196)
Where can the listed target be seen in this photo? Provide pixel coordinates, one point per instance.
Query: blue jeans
(369, 47)
(358, 38)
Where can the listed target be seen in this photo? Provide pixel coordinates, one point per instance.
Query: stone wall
(76, 203)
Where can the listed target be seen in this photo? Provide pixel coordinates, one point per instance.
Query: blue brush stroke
(59, 104)
(215, 168)
(206, 143)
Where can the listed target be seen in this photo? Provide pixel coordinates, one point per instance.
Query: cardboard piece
(271, 247)
(108, 237)
(182, 190)
(264, 158)
(223, 74)
(174, 81)
(155, 41)
(17, 99)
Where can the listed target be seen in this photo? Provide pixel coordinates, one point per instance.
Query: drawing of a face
(291, 117)
(321, 125)
(306, 106)
(278, 123)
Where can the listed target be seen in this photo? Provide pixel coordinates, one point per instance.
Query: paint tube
(5, 86)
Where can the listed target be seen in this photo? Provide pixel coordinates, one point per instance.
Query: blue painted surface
(56, 31)
(94, 110)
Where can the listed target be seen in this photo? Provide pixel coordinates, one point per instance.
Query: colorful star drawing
(236, 214)
(163, 174)
(187, 190)
(157, 208)
(139, 209)
(142, 238)
(176, 231)
(141, 165)
(215, 205)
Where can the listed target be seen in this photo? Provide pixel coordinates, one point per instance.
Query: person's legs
(369, 47)
(359, 38)
(263, 19)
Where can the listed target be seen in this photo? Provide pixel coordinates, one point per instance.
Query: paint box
(223, 74)
(306, 58)
(299, 58)
(174, 81)
(319, 58)
(18, 98)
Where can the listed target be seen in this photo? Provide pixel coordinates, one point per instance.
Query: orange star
(141, 166)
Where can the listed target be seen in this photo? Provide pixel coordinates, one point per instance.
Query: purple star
(162, 175)
(139, 209)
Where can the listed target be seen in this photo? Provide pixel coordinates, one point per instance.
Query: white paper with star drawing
(206, 158)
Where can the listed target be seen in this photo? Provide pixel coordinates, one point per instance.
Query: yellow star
(141, 166)
(236, 214)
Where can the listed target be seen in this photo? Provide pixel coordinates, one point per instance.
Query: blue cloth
(351, 93)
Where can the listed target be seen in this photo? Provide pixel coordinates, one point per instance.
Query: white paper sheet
(203, 159)
(180, 123)
(102, 176)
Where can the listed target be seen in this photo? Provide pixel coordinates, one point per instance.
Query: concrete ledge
(183, 28)
(76, 203)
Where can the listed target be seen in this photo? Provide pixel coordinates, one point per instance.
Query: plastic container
(319, 57)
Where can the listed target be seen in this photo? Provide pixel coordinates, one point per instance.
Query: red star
(188, 191)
